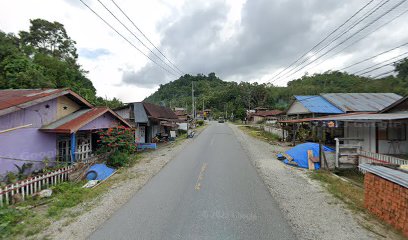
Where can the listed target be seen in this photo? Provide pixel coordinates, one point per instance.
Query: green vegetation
(45, 57)
(349, 193)
(118, 159)
(200, 122)
(118, 142)
(260, 134)
(233, 97)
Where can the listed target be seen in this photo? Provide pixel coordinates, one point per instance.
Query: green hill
(233, 97)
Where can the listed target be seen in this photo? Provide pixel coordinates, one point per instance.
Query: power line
(379, 64)
(120, 9)
(372, 57)
(127, 40)
(348, 38)
(107, 9)
(363, 37)
(382, 74)
(382, 66)
(354, 24)
(321, 41)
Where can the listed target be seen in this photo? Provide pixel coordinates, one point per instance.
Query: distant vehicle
(221, 120)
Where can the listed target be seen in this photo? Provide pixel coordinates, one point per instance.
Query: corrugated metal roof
(78, 119)
(66, 119)
(159, 112)
(361, 102)
(395, 176)
(323, 118)
(15, 99)
(317, 104)
(268, 113)
(394, 105)
(140, 113)
(366, 117)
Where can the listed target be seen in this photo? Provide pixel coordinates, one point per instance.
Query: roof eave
(43, 99)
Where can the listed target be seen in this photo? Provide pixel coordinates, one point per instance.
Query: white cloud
(239, 40)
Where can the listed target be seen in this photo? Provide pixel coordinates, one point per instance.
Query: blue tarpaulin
(99, 172)
(299, 154)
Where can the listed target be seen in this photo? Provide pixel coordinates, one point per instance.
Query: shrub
(116, 139)
(200, 122)
(118, 159)
(181, 131)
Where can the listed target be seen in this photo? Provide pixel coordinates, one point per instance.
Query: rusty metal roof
(366, 117)
(180, 112)
(361, 102)
(15, 99)
(267, 113)
(159, 112)
(327, 118)
(354, 117)
(78, 119)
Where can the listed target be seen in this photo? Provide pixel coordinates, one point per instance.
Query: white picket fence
(29, 186)
(370, 157)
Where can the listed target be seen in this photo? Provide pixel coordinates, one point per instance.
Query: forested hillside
(236, 97)
(44, 57)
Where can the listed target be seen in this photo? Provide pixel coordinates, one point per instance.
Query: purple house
(39, 126)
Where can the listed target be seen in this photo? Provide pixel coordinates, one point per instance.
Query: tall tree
(49, 38)
(402, 68)
(44, 57)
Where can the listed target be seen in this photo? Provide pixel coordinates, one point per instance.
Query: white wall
(387, 147)
(368, 133)
(297, 108)
(363, 131)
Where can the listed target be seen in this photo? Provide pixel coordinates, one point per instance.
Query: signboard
(140, 134)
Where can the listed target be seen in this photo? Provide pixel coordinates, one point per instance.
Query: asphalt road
(209, 191)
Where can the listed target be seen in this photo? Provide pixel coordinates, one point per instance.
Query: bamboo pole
(15, 128)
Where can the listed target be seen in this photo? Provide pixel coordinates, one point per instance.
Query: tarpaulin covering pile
(299, 154)
(99, 172)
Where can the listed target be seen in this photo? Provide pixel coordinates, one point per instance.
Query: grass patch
(349, 192)
(353, 175)
(260, 134)
(352, 195)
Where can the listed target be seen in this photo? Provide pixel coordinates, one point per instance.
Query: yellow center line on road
(200, 177)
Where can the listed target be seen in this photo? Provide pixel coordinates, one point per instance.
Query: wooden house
(148, 119)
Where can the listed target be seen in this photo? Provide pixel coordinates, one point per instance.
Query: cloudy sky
(238, 40)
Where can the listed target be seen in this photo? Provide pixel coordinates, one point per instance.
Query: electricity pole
(203, 106)
(192, 99)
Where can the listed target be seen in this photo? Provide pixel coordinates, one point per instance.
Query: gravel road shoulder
(92, 214)
(311, 211)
